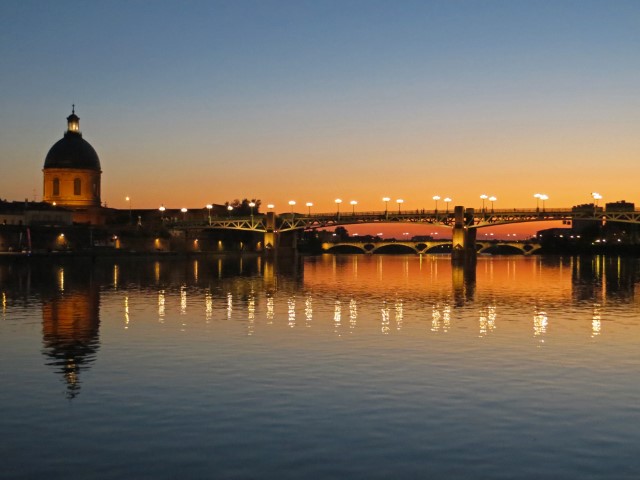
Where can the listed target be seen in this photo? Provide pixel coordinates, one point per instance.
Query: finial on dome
(73, 121)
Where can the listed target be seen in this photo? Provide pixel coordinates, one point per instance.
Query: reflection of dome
(70, 325)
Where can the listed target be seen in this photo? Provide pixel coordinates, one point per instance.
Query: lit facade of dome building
(72, 173)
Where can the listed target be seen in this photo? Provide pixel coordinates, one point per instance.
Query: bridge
(472, 219)
(430, 246)
(464, 222)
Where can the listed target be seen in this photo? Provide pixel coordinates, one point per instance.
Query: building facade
(72, 173)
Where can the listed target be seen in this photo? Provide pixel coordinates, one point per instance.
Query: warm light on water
(326, 367)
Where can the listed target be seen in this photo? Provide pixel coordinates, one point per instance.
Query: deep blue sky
(196, 102)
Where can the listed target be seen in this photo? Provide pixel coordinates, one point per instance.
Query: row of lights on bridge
(540, 197)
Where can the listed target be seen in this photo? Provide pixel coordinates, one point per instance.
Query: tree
(242, 208)
(341, 234)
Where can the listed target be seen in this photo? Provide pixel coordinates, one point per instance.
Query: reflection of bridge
(463, 222)
(431, 246)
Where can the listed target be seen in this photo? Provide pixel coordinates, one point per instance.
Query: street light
(338, 202)
(128, 199)
(492, 199)
(162, 209)
(251, 205)
(483, 197)
(271, 206)
(596, 196)
(400, 202)
(309, 205)
(184, 213)
(447, 200)
(353, 206)
(386, 206)
(209, 207)
(229, 209)
(292, 203)
(436, 198)
(543, 197)
(537, 197)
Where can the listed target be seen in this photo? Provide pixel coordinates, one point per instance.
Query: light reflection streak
(156, 271)
(61, 279)
(208, 306)
(126, 312)
(4, 305)
(251, 310)
(446, 317)
(353, 313)
(435, 318)
(229, 305)
(487, 320)
(385, 318)
(116, 275)
(161, 306)
(337, 315)
(291, 309)
(596, 321)
(183, 300)
(399, 314)
(270, 310)
(195, 271)
(308, 310)
(540, 322)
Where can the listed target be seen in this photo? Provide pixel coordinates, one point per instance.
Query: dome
(72, 151)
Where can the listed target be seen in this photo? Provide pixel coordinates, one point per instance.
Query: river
(338, 367)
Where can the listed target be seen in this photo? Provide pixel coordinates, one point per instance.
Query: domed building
(72, 173)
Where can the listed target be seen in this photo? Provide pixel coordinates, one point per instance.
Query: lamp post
(386, 206)
(483, 197)
(309, 205)
(400, 202)
(229, 210)
(128, 199)
(447, 200)
(543, 197)
(596, 196)
(292, 203)
(436, 198)
(252, 204)
(353, 206)
(492, 199)
(162, 209)
(338, 202)
(184, 213)
(209, 207)
(537, 197)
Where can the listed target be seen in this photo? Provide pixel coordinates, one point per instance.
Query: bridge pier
(270, 239)
(463, 237)
(278, 243)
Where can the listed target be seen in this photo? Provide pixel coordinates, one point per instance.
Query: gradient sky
(194, 102)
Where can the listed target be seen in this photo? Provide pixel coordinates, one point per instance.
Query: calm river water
(337, 367)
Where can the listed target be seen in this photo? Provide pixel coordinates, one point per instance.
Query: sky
(196, 102)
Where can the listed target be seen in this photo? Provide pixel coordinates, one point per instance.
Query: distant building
(33, 213)
(620, 206)
(72, 175)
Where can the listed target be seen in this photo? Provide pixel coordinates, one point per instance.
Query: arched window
(77, 186)
(56, 186)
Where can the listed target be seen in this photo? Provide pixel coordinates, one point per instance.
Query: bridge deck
(295, 221)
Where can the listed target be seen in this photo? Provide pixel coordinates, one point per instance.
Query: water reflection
(390, 294)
